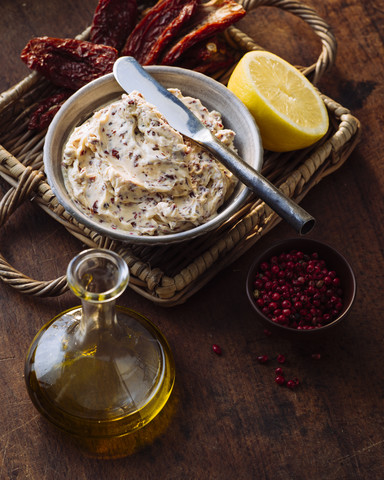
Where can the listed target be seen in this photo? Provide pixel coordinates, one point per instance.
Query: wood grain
(229, 419)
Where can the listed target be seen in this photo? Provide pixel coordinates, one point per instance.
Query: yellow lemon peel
(287, 108)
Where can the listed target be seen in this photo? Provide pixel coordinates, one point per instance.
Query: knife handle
(284, 206)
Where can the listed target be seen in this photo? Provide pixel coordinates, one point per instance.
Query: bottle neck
(98, 277)
(98, 315)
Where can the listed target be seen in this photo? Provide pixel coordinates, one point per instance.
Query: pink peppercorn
(262, 358)
(293, 383)
(216, 349)
(298, 290)
(281, 358)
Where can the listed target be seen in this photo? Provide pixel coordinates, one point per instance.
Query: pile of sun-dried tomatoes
(172, 32)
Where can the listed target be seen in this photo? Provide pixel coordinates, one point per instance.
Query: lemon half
(287, 108)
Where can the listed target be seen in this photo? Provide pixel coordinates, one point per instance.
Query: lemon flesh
(287, 108)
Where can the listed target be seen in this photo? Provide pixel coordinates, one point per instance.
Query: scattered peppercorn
(281, 358)
(292, 383)
(279, 373)
(262, 358)
(217, 349)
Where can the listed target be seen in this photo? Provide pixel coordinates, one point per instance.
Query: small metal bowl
(102, 91)
(334, 261)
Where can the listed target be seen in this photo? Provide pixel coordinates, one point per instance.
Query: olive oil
(99, 372)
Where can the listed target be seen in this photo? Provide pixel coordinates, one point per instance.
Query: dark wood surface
(229, 419)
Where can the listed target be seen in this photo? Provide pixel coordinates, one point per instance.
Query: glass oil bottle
(101, 372)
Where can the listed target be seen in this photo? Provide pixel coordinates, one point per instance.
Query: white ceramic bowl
(104, 90)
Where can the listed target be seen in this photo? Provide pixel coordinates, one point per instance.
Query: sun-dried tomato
(47, 109)
(170, 32)
(210, 18)
(209, 56)
(157, 29)
(113, 21)
(68, 62)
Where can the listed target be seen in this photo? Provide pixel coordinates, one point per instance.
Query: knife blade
(132, 76)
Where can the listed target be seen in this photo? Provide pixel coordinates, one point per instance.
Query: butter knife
(132, 76)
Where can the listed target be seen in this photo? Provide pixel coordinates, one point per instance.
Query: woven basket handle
(329, 46)
(28, 183)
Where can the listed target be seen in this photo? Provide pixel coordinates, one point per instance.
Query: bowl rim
(223, 215)
(280, 245)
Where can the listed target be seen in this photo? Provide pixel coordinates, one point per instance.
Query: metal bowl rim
(121, 235)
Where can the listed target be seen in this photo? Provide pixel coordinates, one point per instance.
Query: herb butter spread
(127, 167)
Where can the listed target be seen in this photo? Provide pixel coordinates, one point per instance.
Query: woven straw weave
(169, 275)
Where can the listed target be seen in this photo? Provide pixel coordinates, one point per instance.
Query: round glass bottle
(98, 370)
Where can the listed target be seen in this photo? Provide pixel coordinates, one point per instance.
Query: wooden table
(229, 419)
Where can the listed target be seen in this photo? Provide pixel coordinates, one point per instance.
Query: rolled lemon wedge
(287, 108)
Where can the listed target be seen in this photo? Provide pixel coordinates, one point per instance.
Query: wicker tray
(170, 275)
